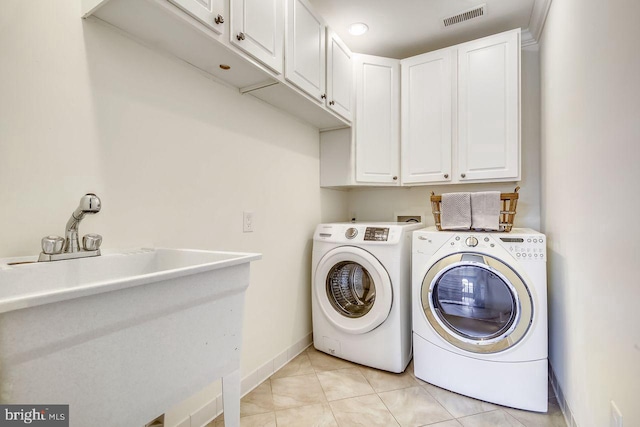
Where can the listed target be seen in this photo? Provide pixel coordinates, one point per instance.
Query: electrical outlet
(616, 416)
(247, 222)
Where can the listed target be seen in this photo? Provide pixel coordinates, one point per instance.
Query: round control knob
(471, 242)
(91, 242)
(52, 245)
(351, 233)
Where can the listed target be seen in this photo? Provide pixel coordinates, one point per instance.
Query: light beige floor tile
(300, 390)
(366, 411)
(553, 417)
(386, 381)
(497, 418)
(318, 415)
(258, 401)
(259, 420)
(450, 423)
(413, 407)
(323, 362)
(300, 365)
(344, 383)
(457, 404)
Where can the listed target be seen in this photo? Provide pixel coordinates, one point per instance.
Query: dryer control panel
(523, 247)
(530, 248)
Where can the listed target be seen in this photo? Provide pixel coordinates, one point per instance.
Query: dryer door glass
(474, 302)
(477, 302)
(350, 289)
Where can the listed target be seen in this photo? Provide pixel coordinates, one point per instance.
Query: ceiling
(403, 28)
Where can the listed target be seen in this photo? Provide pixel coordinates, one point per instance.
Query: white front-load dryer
(480, 314)
(361, 290)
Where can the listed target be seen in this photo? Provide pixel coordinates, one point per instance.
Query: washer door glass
(476, 302)
(350, 289)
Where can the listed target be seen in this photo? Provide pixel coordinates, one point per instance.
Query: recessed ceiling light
(358, 29)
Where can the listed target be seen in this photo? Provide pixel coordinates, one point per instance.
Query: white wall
(382, 204)
(590, 73)
(174, 156)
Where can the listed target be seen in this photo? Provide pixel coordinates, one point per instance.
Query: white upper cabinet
(257, 27)
(427, 117)
(489, 108)
(377, 139)
(474, 89)
(339, 76)
(305, 49)
(209, 12)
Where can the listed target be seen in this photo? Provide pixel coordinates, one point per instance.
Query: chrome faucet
(56, 248)
(89, 204)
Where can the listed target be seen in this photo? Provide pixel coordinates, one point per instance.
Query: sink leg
(231, 398)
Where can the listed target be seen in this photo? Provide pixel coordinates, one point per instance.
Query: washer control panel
(376, 234)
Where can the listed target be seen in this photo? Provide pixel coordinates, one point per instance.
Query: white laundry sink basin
(124, 336)
(26, 283)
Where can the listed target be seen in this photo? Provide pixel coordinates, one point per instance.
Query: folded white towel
(485, 210)
(455, 211)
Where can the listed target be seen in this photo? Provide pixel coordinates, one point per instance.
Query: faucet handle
(91, 242)
(52, 245)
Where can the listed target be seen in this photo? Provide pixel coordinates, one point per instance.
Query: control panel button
(351, 233)
(486, 239)
(471, 242)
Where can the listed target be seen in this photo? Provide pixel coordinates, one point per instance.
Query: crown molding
(538, 18)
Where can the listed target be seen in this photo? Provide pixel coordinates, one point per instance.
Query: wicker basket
(507, 210)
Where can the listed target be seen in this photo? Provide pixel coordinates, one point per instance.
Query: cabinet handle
(395, 178)
(446, 175)
(463, 175)
(219, 20)
(240, 36)
(331, 103)
(323, 96)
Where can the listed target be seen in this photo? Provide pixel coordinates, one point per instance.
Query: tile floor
(316, 389)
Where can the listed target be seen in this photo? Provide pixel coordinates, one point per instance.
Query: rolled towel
(455, 211)
(485, 210)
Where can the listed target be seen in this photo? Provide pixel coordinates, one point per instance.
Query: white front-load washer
(361, 290)
(480, 314)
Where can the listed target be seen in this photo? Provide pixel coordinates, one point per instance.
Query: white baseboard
(213, 408)
(562, 402)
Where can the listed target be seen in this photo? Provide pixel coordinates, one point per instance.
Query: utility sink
(26, 283)
(122, 337)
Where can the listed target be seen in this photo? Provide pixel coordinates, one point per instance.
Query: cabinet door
(305, 49)
(339, 76)
(426, 117)
(209, 12)
(377, 140)
(489, 108)
(257, 27)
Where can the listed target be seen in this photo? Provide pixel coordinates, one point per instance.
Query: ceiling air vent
(476, 12)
